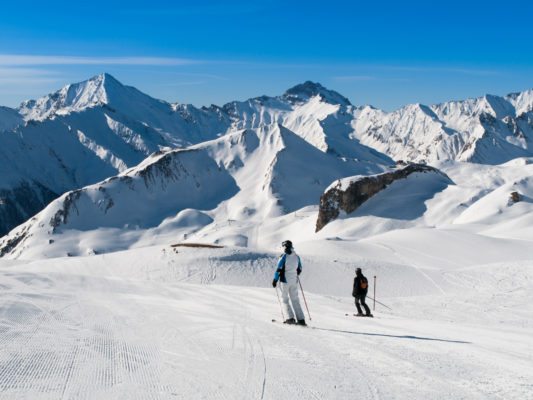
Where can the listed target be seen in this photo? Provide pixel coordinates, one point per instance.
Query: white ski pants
(290, 291)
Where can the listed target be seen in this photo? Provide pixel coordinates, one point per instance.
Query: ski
(280, 322)
(359, 316)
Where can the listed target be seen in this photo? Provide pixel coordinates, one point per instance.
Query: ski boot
(290, 321)
(301, 322)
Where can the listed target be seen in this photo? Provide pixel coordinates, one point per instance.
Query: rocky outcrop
(22, 202)
(7, 244)
(349, 193)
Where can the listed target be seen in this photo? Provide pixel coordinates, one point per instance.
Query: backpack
(364, 283)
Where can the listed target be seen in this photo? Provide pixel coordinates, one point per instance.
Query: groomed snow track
(78, 330)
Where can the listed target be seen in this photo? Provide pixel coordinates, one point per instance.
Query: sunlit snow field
(159, 322)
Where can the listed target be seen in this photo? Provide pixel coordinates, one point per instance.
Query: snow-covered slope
(9, 119)
(128, 112)
(453, 261)
(80, 135)
(310, 110)
(488, 130)
(246, 176)
(320, 116)
(138, 199)
(95, 129)
(192, 323)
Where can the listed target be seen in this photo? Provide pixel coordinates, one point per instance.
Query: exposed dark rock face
(310, 89)
(21, 203)
(515, 197)
(335, 199)
(62, 214)
(168, 167)
(13, 242)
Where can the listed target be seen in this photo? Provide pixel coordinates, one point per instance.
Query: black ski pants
(361, 298)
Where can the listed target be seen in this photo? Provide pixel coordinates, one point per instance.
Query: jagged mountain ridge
(490, 129)
(248, 175)
(88, 131)
(91, 130)
(449, 130)
(452, 128)
(486, 130)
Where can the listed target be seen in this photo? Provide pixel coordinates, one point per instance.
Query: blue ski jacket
(289, 267)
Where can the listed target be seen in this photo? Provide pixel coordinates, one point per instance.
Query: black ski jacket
(358, 289)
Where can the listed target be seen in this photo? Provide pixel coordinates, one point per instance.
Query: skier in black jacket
(360, 289)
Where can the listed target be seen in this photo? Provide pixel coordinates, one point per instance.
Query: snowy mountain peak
(522, 101)
(308, 89)
(418, 108)
(72, 97)
(101, 89)
(496, 106)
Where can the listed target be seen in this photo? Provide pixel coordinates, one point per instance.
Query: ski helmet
(287, 244)
(358, 270)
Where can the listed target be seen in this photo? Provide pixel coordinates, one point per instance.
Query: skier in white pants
(289, 267)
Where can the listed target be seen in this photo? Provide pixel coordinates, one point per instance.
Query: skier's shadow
(392, 336)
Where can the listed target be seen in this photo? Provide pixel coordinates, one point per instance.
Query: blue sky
(384, 53)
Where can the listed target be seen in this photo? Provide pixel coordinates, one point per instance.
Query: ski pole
(280, 308)
(384, 305)
(305, 301)
(374, 292)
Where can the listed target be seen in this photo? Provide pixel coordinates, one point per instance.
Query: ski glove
(274, 283)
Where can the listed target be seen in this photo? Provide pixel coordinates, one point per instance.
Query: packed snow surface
(196, 324)
(453, 318)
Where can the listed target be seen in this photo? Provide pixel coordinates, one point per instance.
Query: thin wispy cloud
(17, 60)
(25, 71)
(27, 76)
(27, 60)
